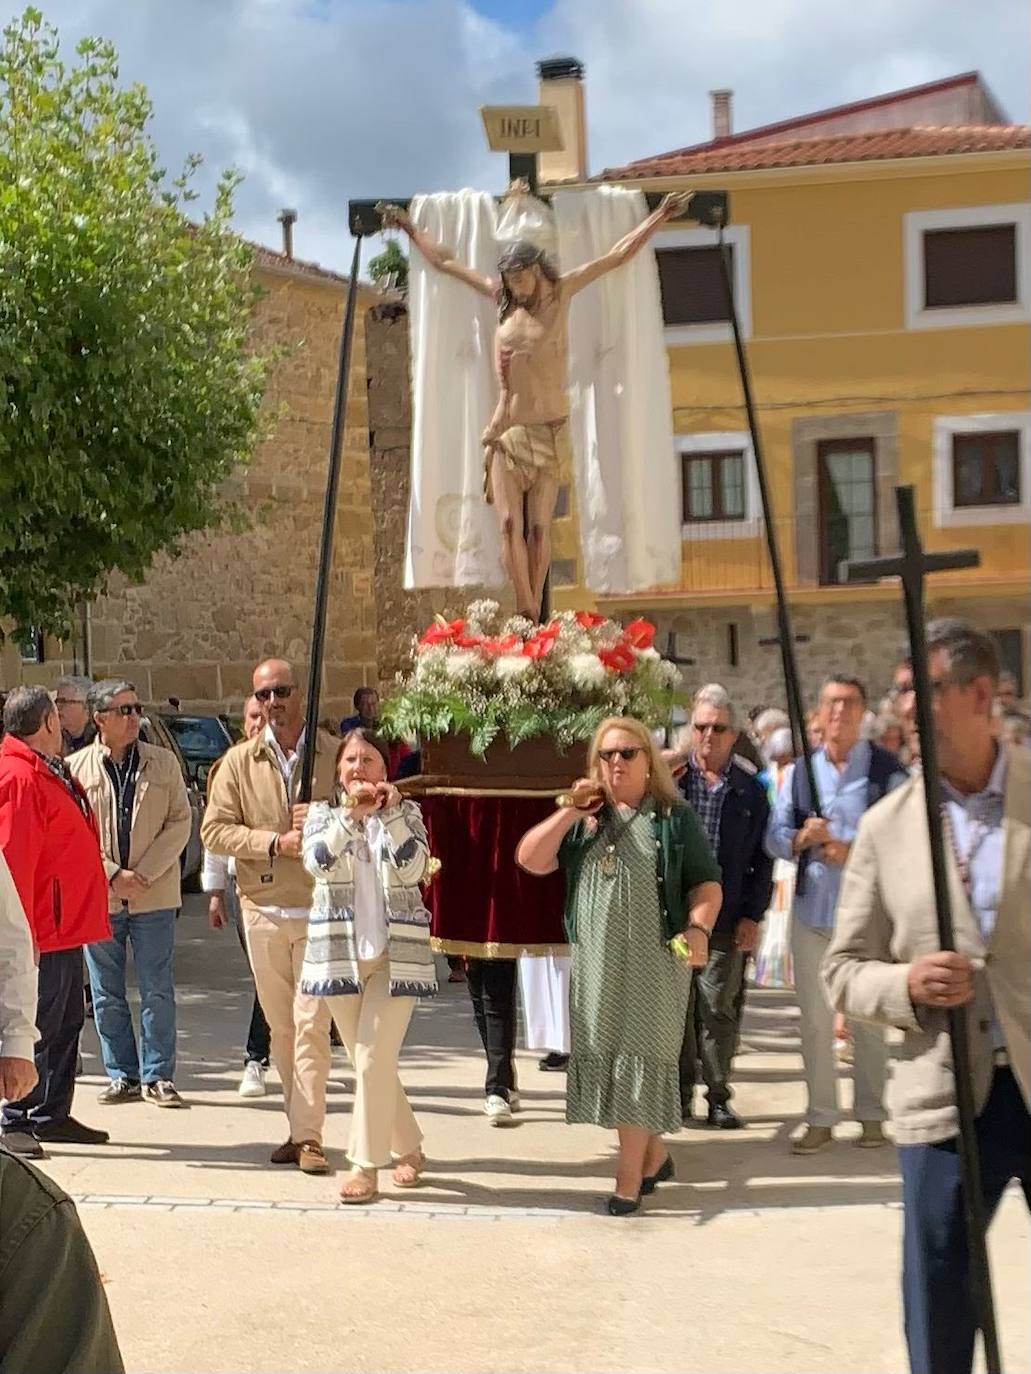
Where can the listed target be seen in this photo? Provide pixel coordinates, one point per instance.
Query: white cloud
(318, 101)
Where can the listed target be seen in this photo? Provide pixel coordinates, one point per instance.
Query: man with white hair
(731, 802)
(70, 698)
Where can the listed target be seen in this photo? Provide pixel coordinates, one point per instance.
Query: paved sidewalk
(754, 1260)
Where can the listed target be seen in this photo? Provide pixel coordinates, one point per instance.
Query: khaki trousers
(299, 1024)
(372, 1025)
(808, 948)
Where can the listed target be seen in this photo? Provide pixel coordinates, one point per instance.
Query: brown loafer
(311, 1159)
(288, 1153)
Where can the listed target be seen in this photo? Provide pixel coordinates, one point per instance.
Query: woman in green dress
(642, 896)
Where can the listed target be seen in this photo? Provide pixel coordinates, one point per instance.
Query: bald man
(253, 816)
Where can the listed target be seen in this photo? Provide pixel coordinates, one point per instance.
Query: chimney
(288, 218)
(562, 87)
(722, 122)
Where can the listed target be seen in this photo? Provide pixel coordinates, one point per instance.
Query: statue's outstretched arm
(393, 217)
(672, 206)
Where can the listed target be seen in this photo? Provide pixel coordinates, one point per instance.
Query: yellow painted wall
(829, 337)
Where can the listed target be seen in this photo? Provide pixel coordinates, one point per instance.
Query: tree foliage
(390, 267)
(128, 390)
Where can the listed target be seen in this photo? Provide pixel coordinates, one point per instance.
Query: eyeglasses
(627, 755)
(69, 701)
(711, 727)
(280, 691)
(128, 708)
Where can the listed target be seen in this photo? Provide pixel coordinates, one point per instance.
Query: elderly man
(70, 698)
(253, 816)
(732, 805)
(139, 796)
(851, 774)
(884, 966)
(48, 837)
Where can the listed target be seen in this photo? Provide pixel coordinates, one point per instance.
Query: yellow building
(882, 266)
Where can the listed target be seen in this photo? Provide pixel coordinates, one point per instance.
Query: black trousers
(936, 1288)
(492, 988)
(59, 1019)
(713, 1022)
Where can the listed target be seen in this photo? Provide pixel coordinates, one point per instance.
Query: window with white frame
(982, 469)
(719, 487)
(694, 305)
(968, 266)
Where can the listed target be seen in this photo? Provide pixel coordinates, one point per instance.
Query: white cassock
(544, 985)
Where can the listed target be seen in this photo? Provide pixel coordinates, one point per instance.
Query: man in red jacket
(49, 838)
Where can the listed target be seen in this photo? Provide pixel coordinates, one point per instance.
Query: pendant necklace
(608, 864)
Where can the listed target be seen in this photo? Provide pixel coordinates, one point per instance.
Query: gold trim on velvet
(491, 950)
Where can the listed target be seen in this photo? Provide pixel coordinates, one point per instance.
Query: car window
(201, 736)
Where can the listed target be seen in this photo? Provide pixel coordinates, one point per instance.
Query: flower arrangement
(487, 677)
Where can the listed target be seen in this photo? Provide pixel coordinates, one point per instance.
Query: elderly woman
(642, 897)
(368, 951)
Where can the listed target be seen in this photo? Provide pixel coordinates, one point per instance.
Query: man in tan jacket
(139, 798)
(884, 965)
(253, 816)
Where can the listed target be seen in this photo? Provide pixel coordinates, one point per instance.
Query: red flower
(541, 644)
(468, 642)
(589, 620)
(619, 658)
(640, 633)
(505, 645)
(442, 632)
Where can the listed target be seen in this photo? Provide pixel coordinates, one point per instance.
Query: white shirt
(18, 980)
(287, 766)
(370, 906)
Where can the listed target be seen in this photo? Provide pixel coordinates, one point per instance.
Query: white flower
(461, 664)
(586, 670)
(512, 665)
(651, 655)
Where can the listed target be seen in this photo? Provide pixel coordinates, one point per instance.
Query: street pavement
(753, 1260)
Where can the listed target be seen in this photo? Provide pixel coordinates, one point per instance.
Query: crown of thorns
(517, 257)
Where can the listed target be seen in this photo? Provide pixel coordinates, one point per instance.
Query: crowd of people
(672, 851)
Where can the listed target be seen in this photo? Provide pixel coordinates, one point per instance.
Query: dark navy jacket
(747, 868)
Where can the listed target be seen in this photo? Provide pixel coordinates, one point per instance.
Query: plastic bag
(773, 965)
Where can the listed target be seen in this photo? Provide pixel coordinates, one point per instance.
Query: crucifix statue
(526, 443)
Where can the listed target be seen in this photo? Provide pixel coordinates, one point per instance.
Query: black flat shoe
(724, 1118)
(553, 1063)
(623, 1206)
(662, 1174)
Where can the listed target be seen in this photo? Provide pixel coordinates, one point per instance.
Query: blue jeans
(152, 936)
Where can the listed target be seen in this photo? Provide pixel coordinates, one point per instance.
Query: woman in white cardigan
(368, 951)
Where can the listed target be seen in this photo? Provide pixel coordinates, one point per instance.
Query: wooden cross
(911, 566)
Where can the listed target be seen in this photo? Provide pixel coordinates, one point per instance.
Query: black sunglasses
(128, 708)
(716, 729)
(607, 755)
(281, 691)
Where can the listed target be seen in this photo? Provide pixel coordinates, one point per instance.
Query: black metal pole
(318, 632)
(796, 710)
(973, 1200)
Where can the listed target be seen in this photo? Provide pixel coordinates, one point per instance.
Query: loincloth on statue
(529, 452)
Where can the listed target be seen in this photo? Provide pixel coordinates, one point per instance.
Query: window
(968, 266)
(848, 504)
(714, 486)
(986, 469)
(694, 304)
(562, 505)
(563, 572)
(975, 266)
(30, 645)
(982, 469)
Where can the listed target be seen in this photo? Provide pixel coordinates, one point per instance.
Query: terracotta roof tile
(919, 141)
(279, 262)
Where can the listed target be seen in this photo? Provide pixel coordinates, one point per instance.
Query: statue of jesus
(526, 444)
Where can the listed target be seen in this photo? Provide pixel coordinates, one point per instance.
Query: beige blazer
(161, 822)
(885, 919)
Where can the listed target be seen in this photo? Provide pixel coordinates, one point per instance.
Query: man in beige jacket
(884, 965)
(139, 798)
(254, 817)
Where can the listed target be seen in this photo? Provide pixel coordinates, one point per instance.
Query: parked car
(153, 730)
(201, 739)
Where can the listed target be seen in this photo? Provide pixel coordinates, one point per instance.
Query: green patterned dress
(629, 994)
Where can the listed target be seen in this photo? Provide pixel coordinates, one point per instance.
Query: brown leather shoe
(311, 1159)
(288, 1153)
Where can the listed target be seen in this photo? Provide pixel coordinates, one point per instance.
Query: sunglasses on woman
(607, 755)
(281, 691)
(128, 708)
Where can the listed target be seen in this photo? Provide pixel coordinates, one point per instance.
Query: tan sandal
(408, 1170)
(359, 1186)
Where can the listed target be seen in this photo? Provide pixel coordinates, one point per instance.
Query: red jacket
(53, 853)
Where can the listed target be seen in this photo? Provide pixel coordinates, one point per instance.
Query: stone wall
(198, 623)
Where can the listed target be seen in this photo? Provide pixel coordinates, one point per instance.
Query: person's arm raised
(672, 205)
(436, 254)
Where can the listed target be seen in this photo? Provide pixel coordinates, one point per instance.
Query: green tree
(128, 389)
(390, 264)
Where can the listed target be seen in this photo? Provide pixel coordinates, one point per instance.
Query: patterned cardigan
(331, 844)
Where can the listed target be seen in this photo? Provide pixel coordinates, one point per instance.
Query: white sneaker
(252, 1084)
(497, 1110)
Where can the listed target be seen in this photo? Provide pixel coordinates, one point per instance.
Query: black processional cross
(911, 566)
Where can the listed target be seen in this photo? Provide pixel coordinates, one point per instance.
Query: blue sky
(514, 14)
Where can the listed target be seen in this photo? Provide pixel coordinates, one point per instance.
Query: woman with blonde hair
(642, 897)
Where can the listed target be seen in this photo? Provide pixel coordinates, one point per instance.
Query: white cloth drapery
(544, 985)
